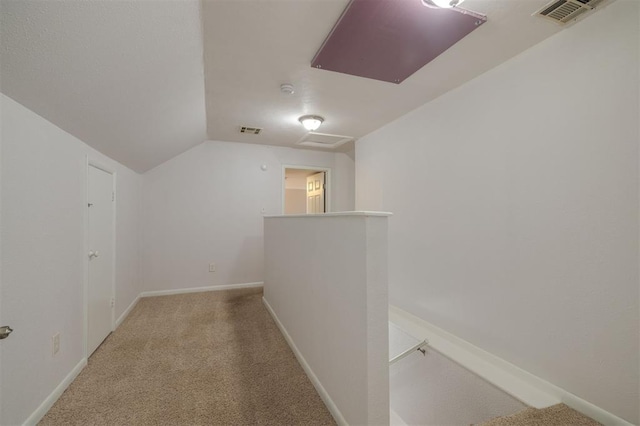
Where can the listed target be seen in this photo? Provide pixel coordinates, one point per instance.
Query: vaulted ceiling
(143, 81)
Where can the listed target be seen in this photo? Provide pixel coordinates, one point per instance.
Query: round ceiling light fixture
(442, 4)
(311, 122)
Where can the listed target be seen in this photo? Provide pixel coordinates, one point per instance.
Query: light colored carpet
(213, 358)
(556, 415)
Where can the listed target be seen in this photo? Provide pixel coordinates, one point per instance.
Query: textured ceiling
(127, 77)
(251, 47)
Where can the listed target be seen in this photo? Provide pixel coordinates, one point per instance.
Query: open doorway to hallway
(305, 190)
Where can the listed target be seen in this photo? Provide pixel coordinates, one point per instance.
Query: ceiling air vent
(563, 11)
(250, 130)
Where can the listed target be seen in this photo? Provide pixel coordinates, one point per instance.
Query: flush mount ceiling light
(442, 4)
(311, 122)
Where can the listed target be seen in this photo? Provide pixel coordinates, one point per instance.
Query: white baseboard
(127, 311)
(522, 385)
(39, 413)
(333, 409)
(200, 289)
(184, 291)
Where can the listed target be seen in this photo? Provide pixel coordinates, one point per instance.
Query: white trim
(333, 408)
(114, 244)
(354, 213)
(85, 263)
(101, 166)
(127, 311)
(46, 405)
(200, 289)
(85, 290)
(328, 189)
(520, 384)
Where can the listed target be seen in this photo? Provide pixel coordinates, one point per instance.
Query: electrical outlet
(56, 343)
(212, 267)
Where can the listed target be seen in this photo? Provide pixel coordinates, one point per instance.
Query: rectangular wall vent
(563, 11)
(250, 130)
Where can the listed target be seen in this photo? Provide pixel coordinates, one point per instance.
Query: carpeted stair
(556, 415)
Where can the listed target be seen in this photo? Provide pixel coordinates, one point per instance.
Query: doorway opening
(305, 190)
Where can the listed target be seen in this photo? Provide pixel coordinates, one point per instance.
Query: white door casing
(315, 193)
(327, 180)
(100, 292)
(1, 299)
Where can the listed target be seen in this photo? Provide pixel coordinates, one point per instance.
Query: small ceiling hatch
(389, 40)
(563, 11)
(323, 140)
(250, 130)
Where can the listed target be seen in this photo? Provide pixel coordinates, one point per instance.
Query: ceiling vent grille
(323, 140)
(250, 130)
(563, 11)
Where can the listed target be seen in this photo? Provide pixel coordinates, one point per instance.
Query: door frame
(85, 287)
(327, 183)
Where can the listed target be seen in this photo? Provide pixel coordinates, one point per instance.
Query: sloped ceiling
(126, 77)
(251, 47)
(131, 78)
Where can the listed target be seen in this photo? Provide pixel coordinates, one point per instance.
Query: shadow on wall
(252, 248)
(266, 376)
(433, 390)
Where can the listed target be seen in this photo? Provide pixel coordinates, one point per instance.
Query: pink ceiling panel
(389, 40)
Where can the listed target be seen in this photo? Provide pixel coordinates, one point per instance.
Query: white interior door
(1, 380)
(315, 193)
(101, 256)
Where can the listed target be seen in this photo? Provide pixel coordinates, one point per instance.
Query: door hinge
(113, 302)
(113, 196)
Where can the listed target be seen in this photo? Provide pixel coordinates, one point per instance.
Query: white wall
(295, 201)
(515, 201)
(206, 206)
(128, 281)
(433, 390)
(43, 234)
(1, 268)
(326, 286)
(345, 174)
(296, 181)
